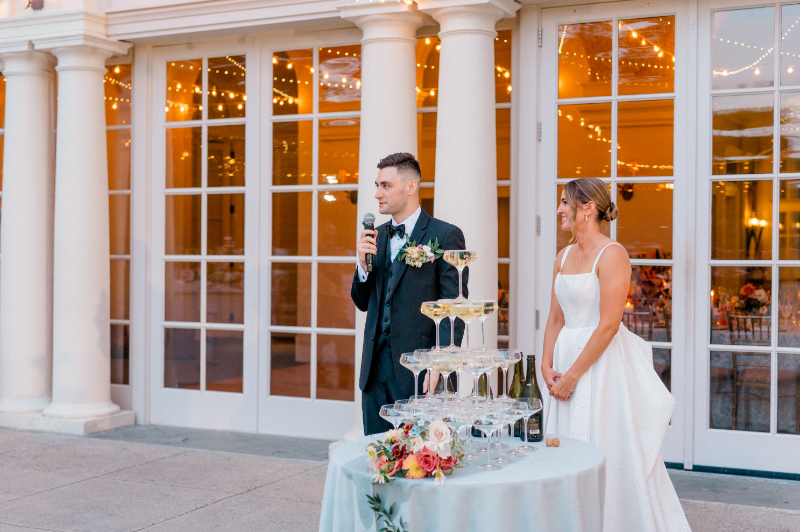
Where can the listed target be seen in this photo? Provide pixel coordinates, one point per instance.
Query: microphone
(369, 225)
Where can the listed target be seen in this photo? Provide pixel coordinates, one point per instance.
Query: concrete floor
(169, 479)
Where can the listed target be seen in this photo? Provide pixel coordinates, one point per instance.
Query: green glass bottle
(515, 392)
(531, 391)
(440, 385)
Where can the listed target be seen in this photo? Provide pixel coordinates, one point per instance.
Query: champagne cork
(553, 442)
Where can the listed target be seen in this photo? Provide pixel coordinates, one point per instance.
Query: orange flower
(412, 468)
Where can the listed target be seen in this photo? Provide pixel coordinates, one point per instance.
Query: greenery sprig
(387, 516)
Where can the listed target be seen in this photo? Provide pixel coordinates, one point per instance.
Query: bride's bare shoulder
(614, 256)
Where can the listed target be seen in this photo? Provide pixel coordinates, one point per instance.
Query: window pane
(224, 361)
(739, 391)
(646, 55)
(117, 86)
(2, 137)
(182, 225)
(563, 237)
(120, 349)
(184, 151)
(182, 358)
(184, 90)
(292, 143)
(648, 309)
(225, 224)
(644, 225)
(503, 121)
(788, 393)
(290, 365)
(335, 308)
(502, 66)
(426, 145)
(742, 134)
(120, 293)
(741, 220)
(225, 292)
(584, 60)
(2, 101)
(338, 151)
(226, 87)
(182, 291)
(337, 218)
(291, 230)
(504, 222)
(788, 307)
(120, 223)
(335, 367)
(118, 144)
(291, 294)
(427, 55)
(340, 79)
(790, 132)
(584, 140)
(739, 65)
(293, 82)
(662, 363)
(740, 310)
(226, 156)
(790, 45)
(426, 200)
(789, 225)
(644, 142)
(503, 291)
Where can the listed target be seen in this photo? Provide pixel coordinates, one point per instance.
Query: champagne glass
(476, 366)
(469, 415)
(416, 366)
(531, 406)
(391, 415)
(489, 308)
(487, 423)
(506, 417)
(426, 355)
(445, 363)
(509, 359)
(452, 316)
(460, 259)
(467, 310)
(437, 311)
(517, 413)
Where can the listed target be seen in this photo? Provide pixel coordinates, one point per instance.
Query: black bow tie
(399, 230)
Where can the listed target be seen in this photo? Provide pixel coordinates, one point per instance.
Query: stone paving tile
(729, 489)
(16, 483)
(719, 517)
(306, 487)
(105, 505)
(15, 440)
(84, 457)
(226, 472)
(13, 528)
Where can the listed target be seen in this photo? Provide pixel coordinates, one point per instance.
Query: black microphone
(369, 225)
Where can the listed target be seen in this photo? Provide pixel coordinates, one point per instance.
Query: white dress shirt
(395, 243)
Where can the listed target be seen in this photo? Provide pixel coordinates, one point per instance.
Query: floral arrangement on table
(417, 255)
(415, 450)
(751, 300)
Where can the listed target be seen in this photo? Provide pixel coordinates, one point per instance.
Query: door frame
(674, 449)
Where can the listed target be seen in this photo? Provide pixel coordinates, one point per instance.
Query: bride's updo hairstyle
(582, 191)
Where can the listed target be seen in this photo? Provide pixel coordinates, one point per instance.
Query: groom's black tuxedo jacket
(406, 290)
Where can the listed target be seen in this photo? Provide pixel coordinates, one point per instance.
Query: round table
(554, 489)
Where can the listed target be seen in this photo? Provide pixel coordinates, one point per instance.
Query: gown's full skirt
(621, 406)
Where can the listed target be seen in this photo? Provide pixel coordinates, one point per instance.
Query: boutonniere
(417, 255)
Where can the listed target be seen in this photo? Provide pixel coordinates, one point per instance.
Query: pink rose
(427, 460)
(380, 463)
(396, 466)
(439, 432)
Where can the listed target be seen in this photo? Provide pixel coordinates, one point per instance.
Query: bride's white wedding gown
(620, 405)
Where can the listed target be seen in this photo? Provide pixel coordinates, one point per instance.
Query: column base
(78, 411)
(23, 406)
(77, 426)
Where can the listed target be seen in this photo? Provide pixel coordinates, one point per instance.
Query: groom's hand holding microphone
(366, 246)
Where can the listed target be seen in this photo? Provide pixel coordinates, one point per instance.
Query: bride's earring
(585, 217)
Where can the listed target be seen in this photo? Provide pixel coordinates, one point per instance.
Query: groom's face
(393, 191)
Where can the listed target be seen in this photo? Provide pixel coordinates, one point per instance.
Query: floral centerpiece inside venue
(415, 450)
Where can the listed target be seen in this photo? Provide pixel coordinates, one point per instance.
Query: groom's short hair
(406, 164)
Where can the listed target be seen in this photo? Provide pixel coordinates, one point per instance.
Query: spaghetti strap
(594, 266)
(564, 257)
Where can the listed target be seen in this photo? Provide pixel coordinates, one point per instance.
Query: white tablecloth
(553, 489)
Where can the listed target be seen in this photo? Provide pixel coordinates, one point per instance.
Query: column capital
(455, 16)
(28, 62)
(386, 21)
(81, 50)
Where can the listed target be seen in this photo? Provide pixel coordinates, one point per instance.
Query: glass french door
(748, 415)
(204, 211)
(613, 87)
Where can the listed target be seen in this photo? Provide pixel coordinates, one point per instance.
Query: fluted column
(81, 285)
(388, 114)
(26, 282)
(466, 152)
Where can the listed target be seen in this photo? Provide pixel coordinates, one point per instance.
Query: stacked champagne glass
(487, 414)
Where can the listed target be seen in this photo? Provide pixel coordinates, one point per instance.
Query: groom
(393, 293)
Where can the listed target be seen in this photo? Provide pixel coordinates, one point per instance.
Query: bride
(600, 375)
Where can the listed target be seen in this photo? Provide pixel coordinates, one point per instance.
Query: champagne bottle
(517, 378)
(483, 390)
(531, 391)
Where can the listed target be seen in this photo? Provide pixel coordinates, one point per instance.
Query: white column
(26, 282)
(81, 285)
(466, 150)
(388, 115)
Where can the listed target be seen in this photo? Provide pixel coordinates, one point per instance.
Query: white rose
(439, 432)
(417, 444)
(442, 450)
(427, 249)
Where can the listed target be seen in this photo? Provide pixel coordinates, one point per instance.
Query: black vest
(383, 347)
